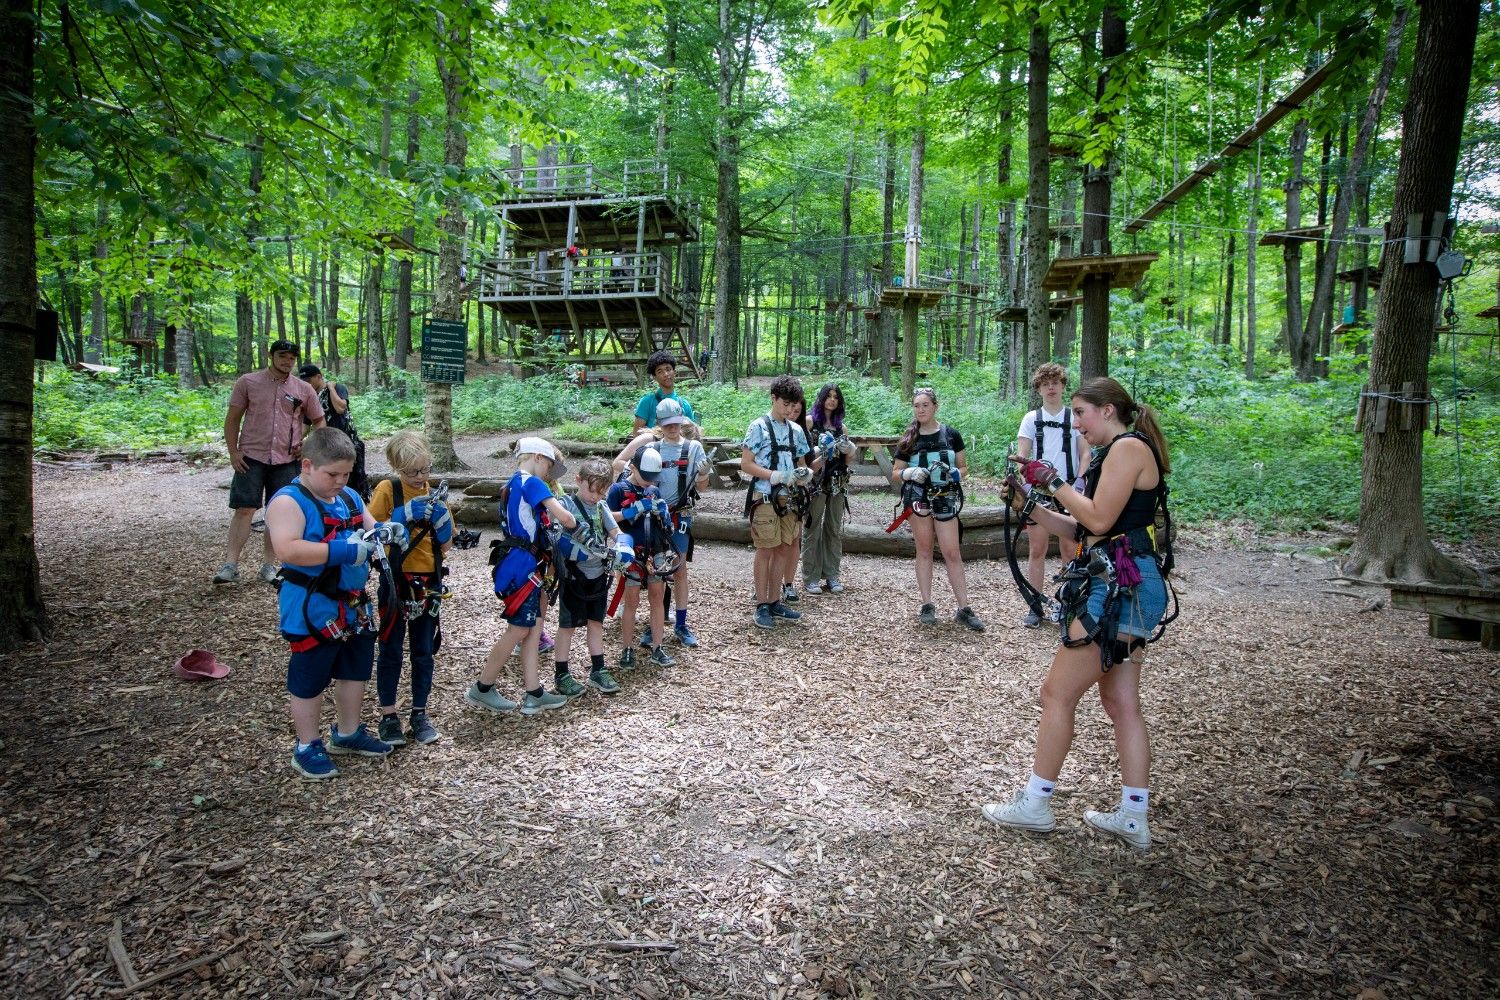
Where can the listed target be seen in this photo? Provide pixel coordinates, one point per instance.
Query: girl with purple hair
(823, 538)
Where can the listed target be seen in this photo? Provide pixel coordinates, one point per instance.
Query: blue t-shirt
(646, 408)
(320, 610)
(523, 513)
(759, 443)
(622, 493)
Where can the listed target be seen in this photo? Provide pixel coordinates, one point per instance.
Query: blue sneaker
(685, 636)
(358, 742)
(782, 611)
(646, 640)
(763, 617)
(314, 761)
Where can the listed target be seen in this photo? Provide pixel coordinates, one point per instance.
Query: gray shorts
(259, 482)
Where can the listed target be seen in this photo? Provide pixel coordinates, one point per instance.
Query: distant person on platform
(263, 431)
(661, 366)
(334, 396)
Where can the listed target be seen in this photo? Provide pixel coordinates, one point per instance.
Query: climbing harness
(353, 615)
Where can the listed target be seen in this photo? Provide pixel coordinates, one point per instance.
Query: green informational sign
(444, 343)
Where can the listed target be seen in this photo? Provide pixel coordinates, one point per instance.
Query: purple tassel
(1127, 573)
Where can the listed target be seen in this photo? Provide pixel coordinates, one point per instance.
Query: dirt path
(797, 812)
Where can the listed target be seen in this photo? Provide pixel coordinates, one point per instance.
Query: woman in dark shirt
(1118, 508)
(926, 445)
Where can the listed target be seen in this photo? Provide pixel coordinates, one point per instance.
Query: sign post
(445, 344)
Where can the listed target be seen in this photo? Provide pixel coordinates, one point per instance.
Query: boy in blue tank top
(325, 539)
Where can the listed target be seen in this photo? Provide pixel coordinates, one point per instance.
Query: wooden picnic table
(1454, 611)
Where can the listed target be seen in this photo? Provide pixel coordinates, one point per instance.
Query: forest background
(210, 177)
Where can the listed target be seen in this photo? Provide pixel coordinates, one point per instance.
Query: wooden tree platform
(1493, 312)
(1305, 234)
(1057, 308)
(899, 295)
(1371, 276)
(1066, 274)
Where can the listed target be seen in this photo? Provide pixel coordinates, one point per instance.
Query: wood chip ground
(784, 815)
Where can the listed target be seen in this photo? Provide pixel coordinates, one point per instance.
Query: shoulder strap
(1067, 441)
(398, 496)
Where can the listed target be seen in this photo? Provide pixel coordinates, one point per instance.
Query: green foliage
(125, 411)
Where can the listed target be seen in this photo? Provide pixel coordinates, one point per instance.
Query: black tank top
(1140, 508)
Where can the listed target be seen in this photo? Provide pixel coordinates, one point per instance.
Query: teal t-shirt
(646, 408)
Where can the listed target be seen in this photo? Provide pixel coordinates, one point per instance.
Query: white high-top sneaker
(1024, 812)
(1129, 827)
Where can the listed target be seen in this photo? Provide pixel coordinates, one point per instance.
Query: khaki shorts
(769, 530)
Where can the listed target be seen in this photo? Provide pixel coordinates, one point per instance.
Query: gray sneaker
(661, 658)
(627, 661)
(603, 682)
(1129, 827)
(1022, 812)
(813, 587)
(491, 700)
(1032, 620)
(834, 587)
(928, 615)
(228, 573)
(531, 704)
(268, 572)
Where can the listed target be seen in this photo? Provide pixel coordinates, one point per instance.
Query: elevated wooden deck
(898, 295)
(1454, 611)
(1066, 274)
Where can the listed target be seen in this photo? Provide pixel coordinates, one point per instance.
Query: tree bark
(437, 411)
(1093, 343)
(909, 308)
(727, 238)
(1228, 293)
(409, 234)
(1038, 194)
(184, 350)
(1005, 239)
(1250, 246)
(1392, 541)
(1298, 348)
(1067, 325)
(887, 253)
(332, 316)
(1322, 301)
(98, 312)
(23, 617)
(244, 311)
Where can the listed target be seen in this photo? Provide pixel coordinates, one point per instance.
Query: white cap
(669, 411)
(648, 463)
(538, 446)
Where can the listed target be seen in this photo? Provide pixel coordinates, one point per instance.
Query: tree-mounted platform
(1066, 274)
(1369, 275)
(1493, 312)
(1281, 237)
(894, 296)
(1455, 611)
(1056, 308)
(606, 222)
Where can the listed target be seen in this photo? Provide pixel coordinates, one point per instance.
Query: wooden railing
(553, 274)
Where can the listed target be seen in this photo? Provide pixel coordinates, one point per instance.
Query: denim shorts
(1141, 610)
(352, 659)
(526, 616)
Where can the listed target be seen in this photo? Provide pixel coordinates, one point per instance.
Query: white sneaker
(228, 573)
(1022, 812)
(1129, 827)
(268, 572)
(834, 587)
(812, 588)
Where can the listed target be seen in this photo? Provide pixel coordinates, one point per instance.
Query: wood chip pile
(792, 814)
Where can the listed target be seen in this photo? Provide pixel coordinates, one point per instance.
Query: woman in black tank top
(1121, 491)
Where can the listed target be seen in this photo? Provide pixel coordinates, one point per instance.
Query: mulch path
(787, 814)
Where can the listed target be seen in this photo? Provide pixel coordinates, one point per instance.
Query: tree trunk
(244, 311)
(98, 313)
(887, 253)
(184, 350)
(727, 239)
(332, 314)
(409, 234)
(1093, 344)
(1322, 301)
(1066, 326)
(438, 406)
(1298, 348)
(1392, 541)
(1229, 293)
(1250, 245)
(912, 269)
(970, 277)
(1005, 238)
(1038, 184)
(23, 618)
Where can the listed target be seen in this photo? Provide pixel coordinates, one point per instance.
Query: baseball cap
(539, 446)
(308, 371)
(648, 463)
(282, 347)
(669, 411)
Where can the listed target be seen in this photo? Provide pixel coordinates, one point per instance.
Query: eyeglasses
(419, 473)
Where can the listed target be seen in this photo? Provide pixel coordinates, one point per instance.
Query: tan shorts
(769, 530)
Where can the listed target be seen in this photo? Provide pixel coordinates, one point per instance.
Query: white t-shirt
(1052, 440)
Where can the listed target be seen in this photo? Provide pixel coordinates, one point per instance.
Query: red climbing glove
(1040, 475)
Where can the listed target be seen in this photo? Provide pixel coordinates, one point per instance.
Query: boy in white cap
(522, 557)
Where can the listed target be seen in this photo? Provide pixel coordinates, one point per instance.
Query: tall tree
(733, 63)
(22, 615)
(1291, 252)
(1093, 342)
(1392, 541)
(1038, 184)
(1322, 302)
(244, 309)
(409, 234)
(456, 51)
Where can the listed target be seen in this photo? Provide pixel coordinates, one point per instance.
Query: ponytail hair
(1105, 391)
(908, 439)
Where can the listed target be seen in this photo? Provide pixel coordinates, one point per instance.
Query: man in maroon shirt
(264, 433)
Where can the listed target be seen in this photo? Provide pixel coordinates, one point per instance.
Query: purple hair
(819, 415)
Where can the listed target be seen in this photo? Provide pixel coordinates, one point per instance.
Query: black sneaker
(421, 729)
(390, 730)
(789, 593)
(627, 661)
(968, 619)
(928, 615)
